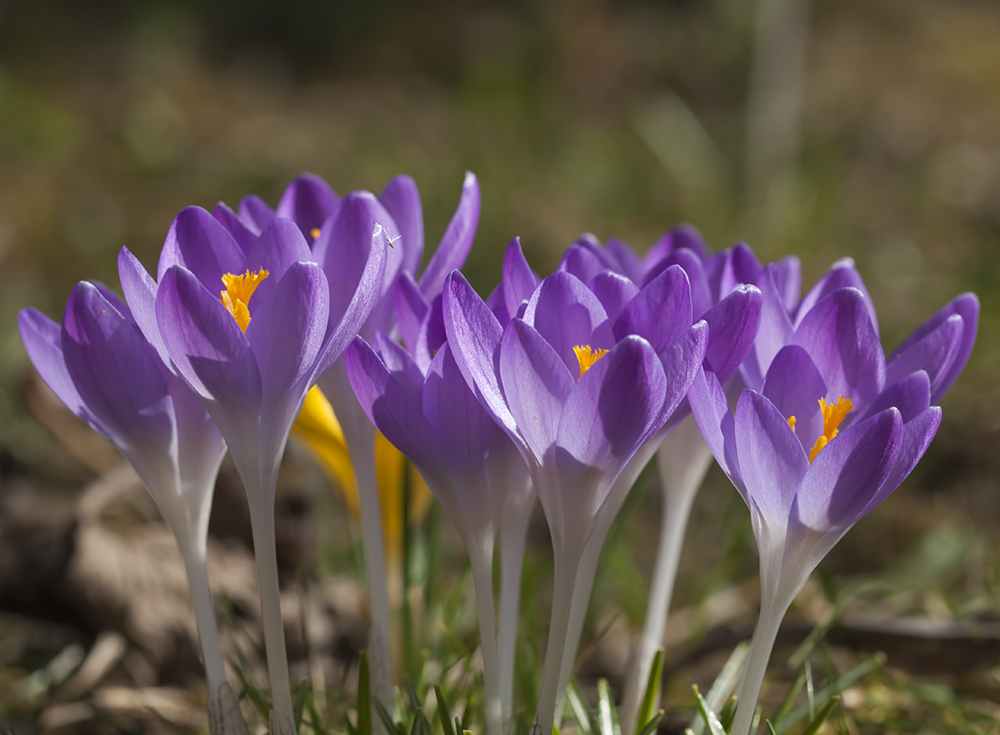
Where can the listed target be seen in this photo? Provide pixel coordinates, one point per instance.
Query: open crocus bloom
(98, 363)
(579, 393)
(250, 328)
(830, 435)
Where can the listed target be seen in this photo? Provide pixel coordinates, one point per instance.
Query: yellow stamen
(833, 415)
(314, 232)
(236, 295)
(791, 422)
(587, 357)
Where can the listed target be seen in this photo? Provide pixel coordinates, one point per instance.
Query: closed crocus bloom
(831, 433)
(99, 364)
(250, 330)
(579, 395)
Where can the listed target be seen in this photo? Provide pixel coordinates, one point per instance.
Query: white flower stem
(513, 534)
(262, 525)
(764, 635)
(204, 614)
(683, 463)
(481, 558)
(562, 603)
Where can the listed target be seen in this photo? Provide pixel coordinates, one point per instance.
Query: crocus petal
(917, 436)
(115, 371)
(457, 240)
(840, 337)
(746, 267)
(475, 335)
(775, 330)
(584, 259)
(244, 236)
(682, 361)
(701, 295)
(661, 312)
(681, 237)
(794, 385)
(711, 411)
(771, 457)
(201, 245)
(255, 213)
(911, 395)
(140, 292)
(628, 262)
(847, 472)
(279, 245)
(613, 290)
(536, 383)
(308, 201)
(842, 274)
(431, 336)
(567, 314)
(401, 199)
(206, 345)
(42, 339)
(787, 277)
(411, 308)
(934, 353)
(732, 327)
(519, 281)
(401, 364)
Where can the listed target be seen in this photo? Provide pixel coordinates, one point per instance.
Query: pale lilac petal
(682, 361)
(911, 395)
(401, 199)
(848, 472)
(116, 301)
(42, 339)
(771, 457)
(965, 306)
(701, 296)
(787, 277)
(201, 245)
(140, 293)
(711, 411)
(841, 339)
(567, 314)
(401, 364)
(682, 237)
(628, 262)
(279, 246)
(842, 274)
(585, 259)
(661, 312)
(431, 336)
(474, 335)
(308, 201)
(115, 372)
(244, 236)
(794, 385)
(917, 436)
(775, 330)
(206, 344)
(255, 213)
(732, 324)
(614, 291)
(411, 308)
(457, 240)
(519, 281)
(536, 383)
(719, 272)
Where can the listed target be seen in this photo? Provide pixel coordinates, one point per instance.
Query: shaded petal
(917, 436)
(255, 213)
(116, 372)
(661, 312)
(911, 395)
(206, 344)
(732, 324)
(536, 383)
(682, 237)
(842, 274)
(701, 296)
(771, 458)
(401, 199)
(474, 335)
(519, 281)
(746, 267)
(244, 236)
(585, 259)
(787, 275)
(567, 314)
(848, 472)
(279, 246)
(711, 411)
(840, 337)
(201, 245)
(628, 262)
(794, 385)
(308, 201)
(401, 364)
(431, 335)
(411, 308)
(682, 361)
(140, 292)
(614, 291)
(775, 330)
(457, 240)
(965, 306)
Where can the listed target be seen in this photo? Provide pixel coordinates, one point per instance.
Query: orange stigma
(237, 293)
(833, 414)
(587, 357)
(314, 232)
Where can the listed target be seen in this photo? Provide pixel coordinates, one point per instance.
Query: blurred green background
(862, 128)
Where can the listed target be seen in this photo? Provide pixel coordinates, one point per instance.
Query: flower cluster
(315, 315)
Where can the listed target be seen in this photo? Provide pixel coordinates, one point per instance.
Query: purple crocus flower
(831, 433)
(252, 355)
(422, 405)
(99, 364)
(579, 395)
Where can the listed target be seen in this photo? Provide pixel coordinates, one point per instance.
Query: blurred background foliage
(862, 128)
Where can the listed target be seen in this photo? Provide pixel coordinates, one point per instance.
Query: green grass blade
(707, 715)
(444, 714)
(652, 689)
(789, 700)
(770, 727)
(818, 721)
(810, 691)
(579, 708)
(728, 713)
(605, 709)
(365, 697)
(723, 685)
(650, 727)
(386, 718)
(825, 694)
(249, 690)
(411, 693)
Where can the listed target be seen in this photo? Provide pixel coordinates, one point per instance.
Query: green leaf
(770, 728)
(651, 697)
(555, 729)
(707, 715)
(249, 690)
(365, 697)
(420, 724)
(650, 727)
(728, 713)
(444, 714)
(606, 715)
(386, 718)
(818, 721)
(824, 695)
(810, 690)
(723, 686)
(789, 700)
(578, 705)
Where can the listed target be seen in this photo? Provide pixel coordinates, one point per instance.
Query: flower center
(236, 295)
(833, 415)
(587, 357)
